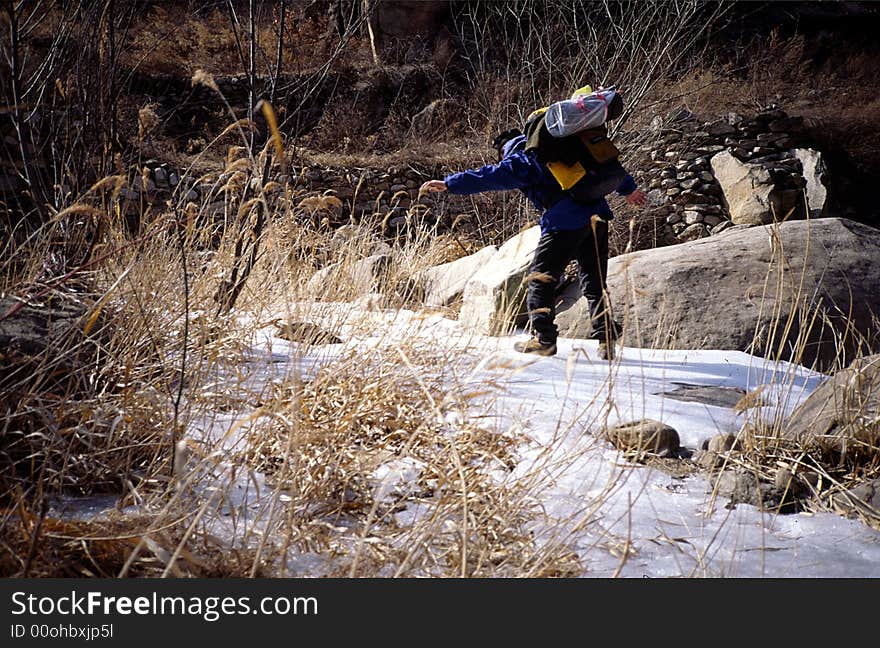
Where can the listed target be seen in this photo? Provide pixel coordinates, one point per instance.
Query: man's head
(500, 143)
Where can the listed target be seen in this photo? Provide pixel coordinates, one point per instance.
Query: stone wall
(678, 172)
(675, 168)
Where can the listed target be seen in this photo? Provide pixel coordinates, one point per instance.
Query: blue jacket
(520, 170)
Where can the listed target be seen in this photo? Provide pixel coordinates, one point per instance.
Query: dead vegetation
(148, 355)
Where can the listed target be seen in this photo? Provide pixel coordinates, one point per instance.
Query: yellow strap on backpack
(536, 113)
(567, 176)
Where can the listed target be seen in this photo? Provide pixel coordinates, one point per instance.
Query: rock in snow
(755, 289)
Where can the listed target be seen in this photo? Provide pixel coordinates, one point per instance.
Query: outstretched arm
(514, 172)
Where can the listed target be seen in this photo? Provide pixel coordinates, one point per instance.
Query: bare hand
(637, 198)
(432, 186)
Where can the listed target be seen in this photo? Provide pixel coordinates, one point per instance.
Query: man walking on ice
(574, 223)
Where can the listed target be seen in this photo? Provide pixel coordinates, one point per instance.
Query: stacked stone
(381, 190)
(767, 140)
(389, 192)
(153, 185)
(680, 179)
(682, 187)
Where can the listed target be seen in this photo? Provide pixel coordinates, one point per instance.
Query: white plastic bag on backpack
(580, 112)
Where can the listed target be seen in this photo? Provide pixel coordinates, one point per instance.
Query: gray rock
(693, 232)
(842, 416)
(734, 119)
(351, 237)
(722, 226)
(861, 500)
(30, 330)
(434, 116)
(653, 290)
(715, 451)
(644, 436)
(656, 197)
(161, 177)
(743, 487)
(215, 209)
(129, 194)
(493, 300)
(723, 443)
(770, 113)
(746, 189)
(694, 197)
(692, 217)
(681, 114)
(443, 284)
(697, 208)
(719, 128)
(768, 137)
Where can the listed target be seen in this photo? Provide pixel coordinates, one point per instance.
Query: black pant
(555, 250)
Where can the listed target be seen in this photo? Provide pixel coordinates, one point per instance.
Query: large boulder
(494, 298)
(442, 284)
(843, 415)
(756, 289)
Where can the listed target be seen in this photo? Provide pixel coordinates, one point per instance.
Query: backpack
(586, 109)
(584, 162)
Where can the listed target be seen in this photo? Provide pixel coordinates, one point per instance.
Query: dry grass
(160, 366)
(331, 441)
(162, 360)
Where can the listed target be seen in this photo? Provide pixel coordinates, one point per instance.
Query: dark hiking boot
(535, 346)
(606, 351)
